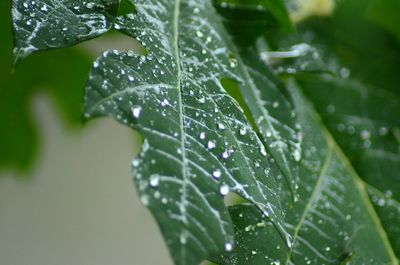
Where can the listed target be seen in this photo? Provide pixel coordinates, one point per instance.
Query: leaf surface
(367, 129)
(333, 222)
(198, 144)
(45, 24)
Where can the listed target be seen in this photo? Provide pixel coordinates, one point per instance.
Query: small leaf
(46, 24)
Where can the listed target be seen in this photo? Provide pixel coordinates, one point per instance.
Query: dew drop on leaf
(136, 111)
(224, 190)
(154, 180)
(228, 247)
(217, 173)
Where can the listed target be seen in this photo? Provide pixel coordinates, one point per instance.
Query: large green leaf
(367, 129)
(333, 222)
(199, 145)
(362, 119)
(193, 129)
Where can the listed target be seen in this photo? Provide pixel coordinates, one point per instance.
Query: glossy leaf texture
(334, 221)
(216, 119)
(365, 122)
(43, 24)
(198, 143)
(362, 119)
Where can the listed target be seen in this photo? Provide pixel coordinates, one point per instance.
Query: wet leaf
(216, 119)
(198, 144)
(45, 24)
(334, 220)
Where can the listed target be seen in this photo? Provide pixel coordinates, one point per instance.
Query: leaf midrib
(181, 121)
(361, 187)
(314, 196)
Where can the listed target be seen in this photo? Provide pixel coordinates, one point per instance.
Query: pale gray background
(79, 206)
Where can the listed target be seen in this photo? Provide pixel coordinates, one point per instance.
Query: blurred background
(66, 191)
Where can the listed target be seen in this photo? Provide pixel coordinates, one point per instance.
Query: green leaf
(366, 119)
(366, 127)
(198, 144)
(333, 221)
(202, 140)
(386, 13)
(45, 24)
(369, 52)
(276, 7)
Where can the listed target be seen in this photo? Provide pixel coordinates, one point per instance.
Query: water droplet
(263, 151)
(211, 145)
(154, 180)
(135, 163)
(228, 247)
(327, 249)
(217, 173)
(224, 190)
(344, 72)
(221, 126)
(330, 109)
(233, 62)
(165, 102)
(226, 154)
(90, 5)
(136, 111)
(202, 136)
(44, 8)
(183, 239)
(383, 131)
(243, 131)
(296, 155)
(365, 134)
(275, 104)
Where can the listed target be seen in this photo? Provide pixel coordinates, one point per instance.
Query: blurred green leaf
(245, 9)
(60, 74)
(386, 13)
(371, 54)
